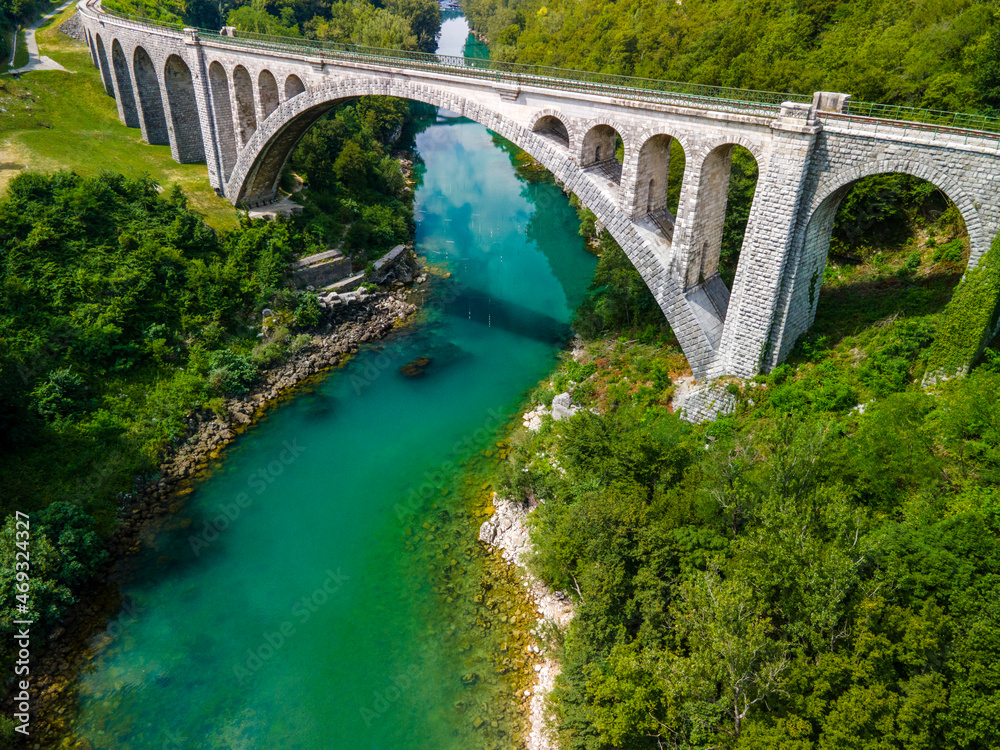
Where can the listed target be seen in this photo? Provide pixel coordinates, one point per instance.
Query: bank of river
(346, 603)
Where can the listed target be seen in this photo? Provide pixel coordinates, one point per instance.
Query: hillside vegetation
(942, 55)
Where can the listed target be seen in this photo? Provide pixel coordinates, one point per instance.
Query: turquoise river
(334, 611)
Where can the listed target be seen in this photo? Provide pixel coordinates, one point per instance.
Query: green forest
(395, 24)
(943, 54)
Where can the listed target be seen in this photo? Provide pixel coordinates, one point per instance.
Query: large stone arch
(126, 97)
(109, 86)
(246, 114)
(805, 276)
(258, 171)
(153, 118)
(267, 90)
(839, 183)
(187, 143)
(222, 109)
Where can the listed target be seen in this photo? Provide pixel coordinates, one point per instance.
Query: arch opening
(246, 116)
(154, 120)
(222, 108)
(604, 153)
(727, 184)
(553, 128)
(109, 87)
(659, 175)
(268, 91)
(879, 247)
(293, 86)
(124, 81)
(184, 119)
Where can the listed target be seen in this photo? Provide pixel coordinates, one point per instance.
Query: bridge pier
(753, 331)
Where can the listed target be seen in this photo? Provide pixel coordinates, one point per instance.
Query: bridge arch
(153, 118)
(109, 87)
(650, 175)
(599, 144)
(831, 191)
(555, 124)
(807, 268)
(293, 86)
(255, 178)
(222, 109)
(246, 115)
(267, 88)
(710, 193)
(185, 123)
(126, 96)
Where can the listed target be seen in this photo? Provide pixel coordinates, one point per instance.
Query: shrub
(232, 372)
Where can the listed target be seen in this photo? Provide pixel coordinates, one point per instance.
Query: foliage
(358, 195)
(65, 552)
(619, 300)
(970, 319)
(800, 581)
(119, 312)
(937, 55)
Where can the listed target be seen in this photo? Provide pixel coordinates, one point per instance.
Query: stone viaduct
(240, 105)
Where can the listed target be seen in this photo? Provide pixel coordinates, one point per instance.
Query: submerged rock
(416, 367)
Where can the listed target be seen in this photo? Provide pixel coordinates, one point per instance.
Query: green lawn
(56, 120)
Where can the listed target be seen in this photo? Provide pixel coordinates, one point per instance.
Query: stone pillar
(206, 119)
(769, 247)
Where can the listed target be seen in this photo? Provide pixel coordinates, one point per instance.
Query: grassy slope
(72, 124)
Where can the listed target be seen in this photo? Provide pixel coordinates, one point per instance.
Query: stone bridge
(240, 103)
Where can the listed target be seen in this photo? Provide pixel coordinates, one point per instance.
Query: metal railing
(741, 101)
(744, 101)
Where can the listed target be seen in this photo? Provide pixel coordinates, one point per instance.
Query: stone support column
(769, 244)
(199, 73)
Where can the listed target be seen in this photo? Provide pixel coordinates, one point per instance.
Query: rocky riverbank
(507, 532)
(343, 329)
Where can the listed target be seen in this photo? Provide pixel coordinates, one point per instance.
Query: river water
(335, 610)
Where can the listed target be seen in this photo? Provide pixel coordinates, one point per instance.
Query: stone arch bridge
(241, 102)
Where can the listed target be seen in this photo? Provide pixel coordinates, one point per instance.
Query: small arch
(601, 152)
(109, 87)
(267, 88)
(659, 175)
(726, 187)
(184, 119)
(124, 81)
(246, 116)
(552, 128)
(293, 86)
(222, 108)
(154, 121)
